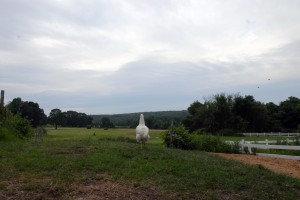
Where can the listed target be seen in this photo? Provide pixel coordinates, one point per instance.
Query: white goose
(142, 132)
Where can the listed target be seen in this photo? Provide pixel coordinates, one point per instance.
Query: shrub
(227, 132)
(235, 148)
(179, 138)
(3, 133)
(19, 126)
(207, 143)
(297, 141)
(212, 143)
(89, 126)
(200, 131)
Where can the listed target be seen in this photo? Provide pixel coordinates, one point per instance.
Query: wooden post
(2, 99)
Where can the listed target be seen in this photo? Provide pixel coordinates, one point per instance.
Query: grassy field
(74, 156)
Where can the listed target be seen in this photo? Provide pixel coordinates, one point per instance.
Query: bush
(3, 132)
(89, 126)
(19, 126)
(228, 132)
(200, 131)
(212, 143)
(179, 138)
(40, 130)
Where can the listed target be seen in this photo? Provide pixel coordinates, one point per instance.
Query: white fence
(271, 134)
(266, 141)
(265, 145)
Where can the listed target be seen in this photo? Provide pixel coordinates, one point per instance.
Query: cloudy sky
(122, 56)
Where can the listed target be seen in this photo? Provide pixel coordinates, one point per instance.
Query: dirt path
(279, 165)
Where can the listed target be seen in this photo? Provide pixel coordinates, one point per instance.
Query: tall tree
(223, 111)
(29, 110)
(75, 119)
(195, 119)
(289, 112)
(274, 123)
(56, 117)
(15, 105)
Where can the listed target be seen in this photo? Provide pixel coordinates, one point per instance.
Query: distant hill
(154, 120)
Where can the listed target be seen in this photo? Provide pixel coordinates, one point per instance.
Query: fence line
(266, 145)
(271, 134)
(287, 141)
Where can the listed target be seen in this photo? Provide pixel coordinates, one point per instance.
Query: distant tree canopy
(69, 118)
(106, 123)
(29, 110)
(228, 114)
(153, 120)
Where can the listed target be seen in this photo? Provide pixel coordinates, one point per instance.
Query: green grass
(75, 156)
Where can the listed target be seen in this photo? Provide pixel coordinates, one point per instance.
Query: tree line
(35, 115)
(69, 118)
(229, 114)
(154, 120)
(220, 114)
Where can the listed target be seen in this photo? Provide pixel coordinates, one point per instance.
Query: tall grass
(76, 156)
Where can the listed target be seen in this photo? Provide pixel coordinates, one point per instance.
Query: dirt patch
(279, 165)
(95, 189)
(33, 190)
(107, 189)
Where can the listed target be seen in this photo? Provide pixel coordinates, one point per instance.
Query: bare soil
(96, 189)
(107, 189)
(278, 165)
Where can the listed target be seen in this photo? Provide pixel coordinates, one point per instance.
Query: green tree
(28, 110)
(106, 123)
(223, 111)
(56, 117)
(75, 119)
(274, 123)
(289, 113)
(227, 114)
(15, 105)
(195, 119)
(253, 114)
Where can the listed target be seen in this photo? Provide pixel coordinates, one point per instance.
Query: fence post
(2, 99)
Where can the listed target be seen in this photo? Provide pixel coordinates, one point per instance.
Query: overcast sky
(122, 56)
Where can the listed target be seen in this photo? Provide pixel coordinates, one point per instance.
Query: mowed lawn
(75, 156)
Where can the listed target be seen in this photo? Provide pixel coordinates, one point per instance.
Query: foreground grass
(75, 156)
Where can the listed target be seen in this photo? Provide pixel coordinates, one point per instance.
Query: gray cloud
(129, 56)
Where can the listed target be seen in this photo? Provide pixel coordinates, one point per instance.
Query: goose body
(142, 131)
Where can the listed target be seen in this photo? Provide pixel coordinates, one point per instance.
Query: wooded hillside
(154, 120)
